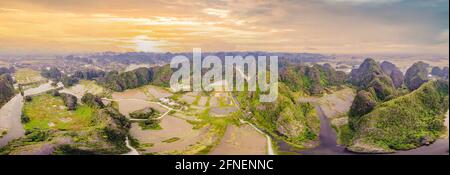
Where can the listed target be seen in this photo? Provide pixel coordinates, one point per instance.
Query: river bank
(329, 146)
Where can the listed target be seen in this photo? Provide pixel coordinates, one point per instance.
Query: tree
(92, 101)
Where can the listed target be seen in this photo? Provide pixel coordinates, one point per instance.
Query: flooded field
(176, 135)
(127, 106)
(148, 92)
(241, 140)
(130, 94)
(189, 97)
(83, 87)
(222, 111)
(157, 92)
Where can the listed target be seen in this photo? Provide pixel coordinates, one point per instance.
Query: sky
(315, 26)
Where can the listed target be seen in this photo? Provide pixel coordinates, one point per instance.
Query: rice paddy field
(26, 76)
(241, 140)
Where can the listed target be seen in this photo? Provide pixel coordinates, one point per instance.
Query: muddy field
(222, 111)
(130, 94)
(189, 97)
(84, 87)
(127, 106)
(80, 89)
(242, 140)
(157, 92)
(176, 135)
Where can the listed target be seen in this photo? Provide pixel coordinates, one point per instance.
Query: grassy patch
(150, 125)
(3, 132)
(344, 135)
(217, 127)
(92, 87)
(46, 111)
(222, 102)
(171, 140)
(408, 121)
(24, 76)
(197, 99)
(208, 101)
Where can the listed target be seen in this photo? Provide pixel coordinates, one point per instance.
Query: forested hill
(405, 122)
(159, 75)
(6, 88)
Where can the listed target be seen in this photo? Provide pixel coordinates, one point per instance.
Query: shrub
(24, 118)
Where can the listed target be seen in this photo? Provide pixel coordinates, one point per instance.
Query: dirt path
(268, 138)
(133, 151)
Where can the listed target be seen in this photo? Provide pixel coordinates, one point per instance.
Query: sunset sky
(318, 26)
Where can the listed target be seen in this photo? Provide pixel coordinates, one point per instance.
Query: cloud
(216, 12)
(325, 26)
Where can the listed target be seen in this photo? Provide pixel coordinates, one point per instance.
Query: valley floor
(207, 126)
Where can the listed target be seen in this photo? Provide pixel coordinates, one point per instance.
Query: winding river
(10, 114)
(329, 146)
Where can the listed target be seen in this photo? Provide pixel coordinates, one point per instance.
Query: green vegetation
(197, 99)
(70, 101)
(69, 81)
(89, 74)
(405, 122)
(6, 88)
(150, 124)
(127, 80)
(53, 73)
(171, 140)
(92, 86)
(363, 103)
(116, 81)
(161, 75)
(150, 115)
(416, 75)
(92, 101)
(26, 76)
(46, 111)
(145, 113)
(374, 87)
(88, 130)
(344, 135)
(216, 130)
(312, 80)
(285, 118)
(3, 132)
